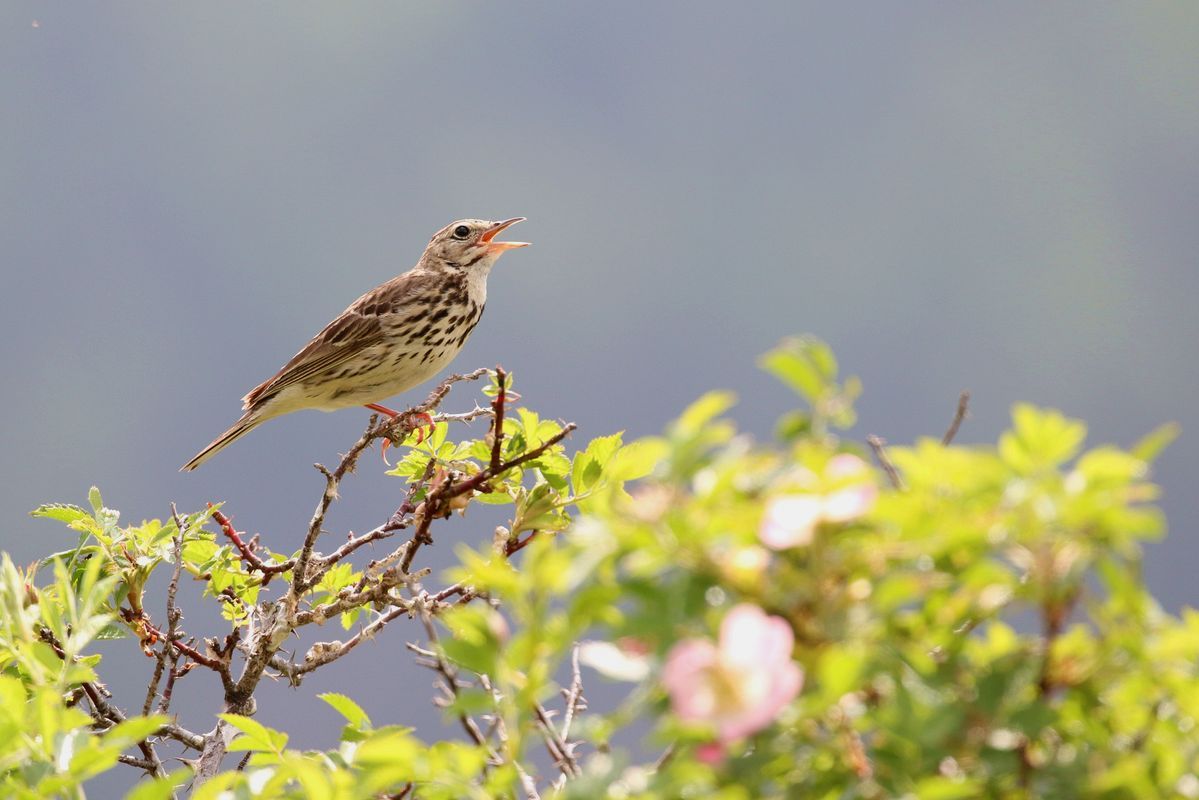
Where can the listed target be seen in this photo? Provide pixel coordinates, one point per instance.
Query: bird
(391, 339)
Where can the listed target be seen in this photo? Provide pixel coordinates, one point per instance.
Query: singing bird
(394, 337)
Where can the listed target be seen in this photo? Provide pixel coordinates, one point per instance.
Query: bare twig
(192, 740)
(452, 684)
(301, 580)
(355, 542)
(466, 416)
(140, 763)
(879, 445)
(103, 711)
(107, 714)
(963, 409)
(442, 389)
(500, 729)
(666, 756)
(450, 591)
(574, 695)
(331, 651)
(350, 600)
(564, 760)
(167, 655)
(169, 690)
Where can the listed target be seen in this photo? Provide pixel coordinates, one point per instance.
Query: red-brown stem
(436, 499)
(497, 407)
(248, 555)
(185, 649)
(516, 545)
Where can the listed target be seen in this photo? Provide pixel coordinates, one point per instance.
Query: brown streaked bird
(391, 339)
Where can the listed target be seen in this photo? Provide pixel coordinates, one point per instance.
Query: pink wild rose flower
(739, 684)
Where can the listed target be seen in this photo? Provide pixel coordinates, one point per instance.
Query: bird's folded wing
(342, 340)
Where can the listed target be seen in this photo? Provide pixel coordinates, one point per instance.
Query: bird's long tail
(248, 422)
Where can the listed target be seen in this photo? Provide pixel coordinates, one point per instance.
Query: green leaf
(475, 642)
(1040, 439)
(841, 668)
(93, 497)
(493, 499)
(160, 788)
(347, 708)
(471, 701)
(805, 364)
(62, 512)
(485, 571)
(701, 412)
(257, 737)
(637, 459)
(1153, 443)
(133, 730)
(589, 465)
(793, 425)
(112, 631)
(940, 788)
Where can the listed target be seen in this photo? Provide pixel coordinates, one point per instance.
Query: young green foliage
(786, 621)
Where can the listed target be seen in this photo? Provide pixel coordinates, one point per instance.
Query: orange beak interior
(489, 235)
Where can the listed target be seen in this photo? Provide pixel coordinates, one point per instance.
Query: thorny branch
(275, 622)
(323, 653)
(105, 714)
(303, 581)
(168, 656)
(431, 496)
(436, 503)
(450, 684)
(575, 702)
(559, 751)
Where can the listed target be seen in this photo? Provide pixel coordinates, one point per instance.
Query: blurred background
(995, 197)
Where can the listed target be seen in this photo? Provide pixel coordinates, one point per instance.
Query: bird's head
(469, 244)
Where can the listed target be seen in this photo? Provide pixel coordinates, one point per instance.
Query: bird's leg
(384, 410)
(423, 416)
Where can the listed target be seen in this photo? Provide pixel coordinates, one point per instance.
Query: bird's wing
(358, 327)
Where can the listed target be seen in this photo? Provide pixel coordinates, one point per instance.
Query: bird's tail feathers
(248, 422)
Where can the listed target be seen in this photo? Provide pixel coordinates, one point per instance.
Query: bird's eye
(461, 232)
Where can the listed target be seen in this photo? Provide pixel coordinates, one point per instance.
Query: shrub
(789, 620)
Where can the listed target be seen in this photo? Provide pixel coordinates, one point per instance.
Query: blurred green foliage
(982, 631)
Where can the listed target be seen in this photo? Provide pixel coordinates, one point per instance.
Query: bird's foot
(414, 420)
(418, 421)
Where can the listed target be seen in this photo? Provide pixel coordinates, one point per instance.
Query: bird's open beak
(490, 234)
